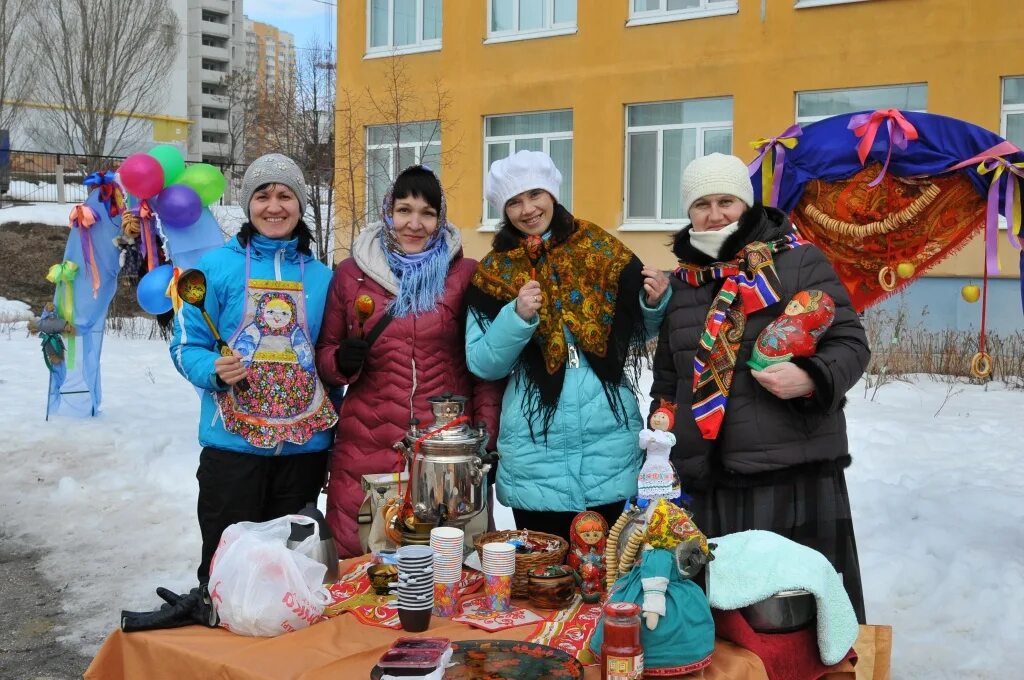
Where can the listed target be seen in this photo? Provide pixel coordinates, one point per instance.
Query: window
(812, 106)
(402, 26)
(214, 41)
(214, 114)
(550, 132)
(215, 65)
(215, 89)
(524, 19)
(215, 137)
(1013, 110)
(661, 139)
(214, 17)
(656, 11)
(391, 149)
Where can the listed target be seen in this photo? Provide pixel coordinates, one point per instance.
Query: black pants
(242, 487)
(560, 523)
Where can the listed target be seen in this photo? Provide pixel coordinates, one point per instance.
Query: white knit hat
(716, 173)
(522, 171)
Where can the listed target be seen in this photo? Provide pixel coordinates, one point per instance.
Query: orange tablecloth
(344, 648)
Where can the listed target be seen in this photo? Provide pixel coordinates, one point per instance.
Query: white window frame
(659, 223)
(804, 4)
(373, 211)
(491, 225)
(1007, 109)
(388, 50)
(708, 8)
(807, 120)
(1004, 111)
(550, 29)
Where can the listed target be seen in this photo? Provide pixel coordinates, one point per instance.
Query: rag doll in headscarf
(655, 572)
(796, 332)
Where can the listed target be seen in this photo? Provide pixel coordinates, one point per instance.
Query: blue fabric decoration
(186, 245)
(827, 150)
(77, 392)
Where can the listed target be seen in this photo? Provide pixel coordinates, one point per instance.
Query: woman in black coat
(757, 449)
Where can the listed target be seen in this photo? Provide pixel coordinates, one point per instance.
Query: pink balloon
(142, 175)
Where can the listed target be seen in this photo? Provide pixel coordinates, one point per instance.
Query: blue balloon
(178, 206)
(152, 292)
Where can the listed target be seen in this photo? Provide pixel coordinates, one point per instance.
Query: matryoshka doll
(796, 332)
(588, 537)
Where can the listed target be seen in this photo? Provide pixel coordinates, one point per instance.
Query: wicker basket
(525, 562)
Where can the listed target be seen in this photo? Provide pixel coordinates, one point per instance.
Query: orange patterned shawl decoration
(862, 229)
(580, 283)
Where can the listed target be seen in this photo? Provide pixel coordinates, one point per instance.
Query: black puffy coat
(760, 433)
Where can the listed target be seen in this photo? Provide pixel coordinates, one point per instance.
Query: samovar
(448, 465)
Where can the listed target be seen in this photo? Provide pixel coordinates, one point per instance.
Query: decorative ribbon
(865, 126)
(172, 290)
(83, 218)
(63, 277)
(992, 161)
(110, 193)
(145, 213)
(771, 174)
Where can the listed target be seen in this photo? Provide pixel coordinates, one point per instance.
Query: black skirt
(811, 507)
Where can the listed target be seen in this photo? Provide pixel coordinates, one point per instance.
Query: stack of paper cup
(415, 586)
(446, 543)
(498, 564)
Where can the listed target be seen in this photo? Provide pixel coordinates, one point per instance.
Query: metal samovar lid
(455, 439)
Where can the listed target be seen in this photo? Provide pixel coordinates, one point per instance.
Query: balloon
(207, 180)
(178, 206)
(152, 292)
(141, 175)
(170, 159)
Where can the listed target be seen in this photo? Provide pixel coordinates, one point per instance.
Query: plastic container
(422, 643)
(413, 662)
(622, 657)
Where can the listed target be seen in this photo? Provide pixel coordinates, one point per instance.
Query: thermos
(325, 551)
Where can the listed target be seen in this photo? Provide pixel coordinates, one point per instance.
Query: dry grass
(900, 349)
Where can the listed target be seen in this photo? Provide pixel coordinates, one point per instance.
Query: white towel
(751, 566)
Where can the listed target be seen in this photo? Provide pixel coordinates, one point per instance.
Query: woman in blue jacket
(562, 309)
(265, 442)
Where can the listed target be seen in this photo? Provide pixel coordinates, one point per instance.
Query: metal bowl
(783, 612)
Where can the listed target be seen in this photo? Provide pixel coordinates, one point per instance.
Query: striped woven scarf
(750, 284)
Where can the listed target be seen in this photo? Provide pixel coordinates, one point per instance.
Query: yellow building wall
(761, 56)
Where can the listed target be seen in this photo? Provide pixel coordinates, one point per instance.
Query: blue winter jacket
(193, 350)
(588, 459)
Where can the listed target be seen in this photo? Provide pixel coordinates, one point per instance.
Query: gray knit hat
(273, 168)
(716, 173)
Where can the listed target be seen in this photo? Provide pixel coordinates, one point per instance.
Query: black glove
(351, 355)
(179, 610)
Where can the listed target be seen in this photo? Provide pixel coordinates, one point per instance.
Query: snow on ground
(14, 310)
(43, 213)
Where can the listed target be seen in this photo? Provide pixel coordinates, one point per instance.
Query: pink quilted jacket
(415, 357)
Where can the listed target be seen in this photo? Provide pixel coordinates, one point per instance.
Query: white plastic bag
(259, 586)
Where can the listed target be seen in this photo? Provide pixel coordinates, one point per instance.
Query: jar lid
(622, 609)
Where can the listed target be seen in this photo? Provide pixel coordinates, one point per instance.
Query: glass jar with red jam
(622, 657)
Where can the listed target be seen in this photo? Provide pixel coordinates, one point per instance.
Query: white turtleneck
(710, 242)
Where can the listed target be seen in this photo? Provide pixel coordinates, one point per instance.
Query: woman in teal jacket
(265, 441)
(562, 309)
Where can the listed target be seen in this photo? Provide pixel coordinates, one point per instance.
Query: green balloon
(207, 180)
(171, 160)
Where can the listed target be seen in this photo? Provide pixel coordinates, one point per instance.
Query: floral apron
(286, 400)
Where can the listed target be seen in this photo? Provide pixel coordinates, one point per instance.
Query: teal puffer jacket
(588, 458)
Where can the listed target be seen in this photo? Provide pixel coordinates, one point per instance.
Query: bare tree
(16, 82)
(350, 168)
(97, 86)
(239, 92)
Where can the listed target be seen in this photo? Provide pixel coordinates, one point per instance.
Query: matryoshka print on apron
(286, 400)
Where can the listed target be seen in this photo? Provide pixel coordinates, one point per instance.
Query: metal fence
(37, 177)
